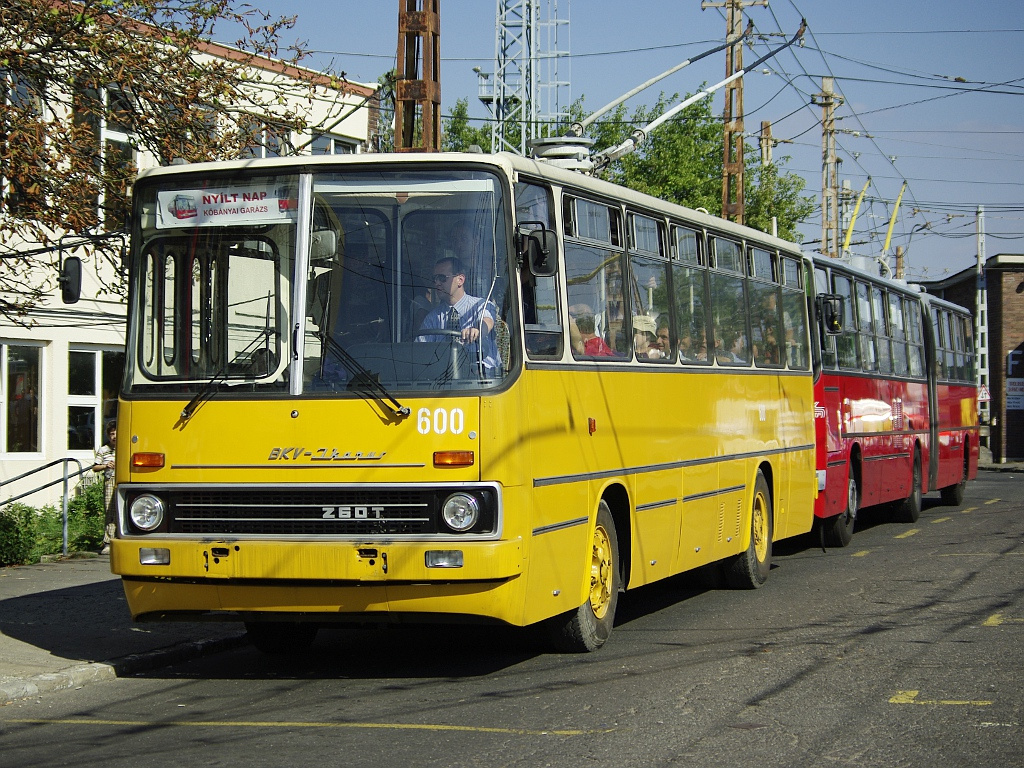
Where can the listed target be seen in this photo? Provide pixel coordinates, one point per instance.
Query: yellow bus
(449, 387)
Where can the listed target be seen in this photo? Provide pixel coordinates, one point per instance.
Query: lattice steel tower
(525, 96)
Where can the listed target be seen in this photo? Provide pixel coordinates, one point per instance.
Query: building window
(326, 144)
(266, 141)
(106, 113)
(20, 395)
(20, 189)
(93, 380)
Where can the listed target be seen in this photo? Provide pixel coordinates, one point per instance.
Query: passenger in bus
(645, 342)
(664, 338)
(730, 348)
(593, 345)
(458, 311)
(262, 363)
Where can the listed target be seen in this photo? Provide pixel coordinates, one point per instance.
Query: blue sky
(905, 114)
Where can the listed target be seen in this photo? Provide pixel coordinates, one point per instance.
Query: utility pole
(732, 115)
(981, 321)
(829, 168)
(418, 89)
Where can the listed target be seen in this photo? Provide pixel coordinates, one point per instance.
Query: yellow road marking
(908, 534)
(941, 520)
(862, 553)
(969, 509)
(999, 618)
(275, 724)
(910, 697)
(993, 501)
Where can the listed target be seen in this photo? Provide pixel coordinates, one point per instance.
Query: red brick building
(1004, 280)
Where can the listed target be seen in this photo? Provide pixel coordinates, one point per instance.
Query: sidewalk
(66, 623)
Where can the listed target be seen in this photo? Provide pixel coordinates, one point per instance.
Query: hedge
(27, 533)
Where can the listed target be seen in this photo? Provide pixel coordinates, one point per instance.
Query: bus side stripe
(539, 482)
(559, 526)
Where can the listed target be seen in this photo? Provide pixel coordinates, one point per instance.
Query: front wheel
(749, 569)
(587, 628)
(838, 531)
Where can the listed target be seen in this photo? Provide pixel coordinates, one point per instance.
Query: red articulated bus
(895, 406)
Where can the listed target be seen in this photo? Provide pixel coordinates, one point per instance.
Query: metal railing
(64, 497)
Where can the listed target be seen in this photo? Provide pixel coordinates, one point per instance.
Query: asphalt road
(904, 649)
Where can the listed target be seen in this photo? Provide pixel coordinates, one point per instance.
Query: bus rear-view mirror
(540, 252)
(830, 310)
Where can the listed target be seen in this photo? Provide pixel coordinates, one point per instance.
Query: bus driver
(458, 311)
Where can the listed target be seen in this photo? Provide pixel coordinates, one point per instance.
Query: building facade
(1004, 283)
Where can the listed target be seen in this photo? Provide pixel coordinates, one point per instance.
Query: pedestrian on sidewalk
(104, 462)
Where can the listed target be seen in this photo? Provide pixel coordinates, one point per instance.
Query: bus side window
(541, 312)
(729, 304)
(689, 287)
(879, 311)
(826, 340)
(846, 344)
(915, 338)
(899, 336)
(865, 329)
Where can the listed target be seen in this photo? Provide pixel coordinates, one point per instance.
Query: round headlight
(147, 512)
(460, 511)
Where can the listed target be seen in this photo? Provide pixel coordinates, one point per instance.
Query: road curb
(13, 689)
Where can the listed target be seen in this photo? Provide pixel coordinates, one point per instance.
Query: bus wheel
(586, 628)
(953, 495)
(838, 530)
(910, 509)
(749, 570)
(277, 637)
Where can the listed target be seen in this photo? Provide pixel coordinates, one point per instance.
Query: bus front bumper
(245, 579)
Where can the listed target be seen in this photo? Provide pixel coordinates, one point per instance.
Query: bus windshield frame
(346, 281)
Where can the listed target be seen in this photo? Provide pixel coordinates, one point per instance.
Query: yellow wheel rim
(760, 527)
(601, 572)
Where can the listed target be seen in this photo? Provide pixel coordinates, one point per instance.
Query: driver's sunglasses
(442, 278)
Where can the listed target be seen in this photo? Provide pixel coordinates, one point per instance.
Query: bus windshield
(341, 282)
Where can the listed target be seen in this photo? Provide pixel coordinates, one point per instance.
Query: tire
(838, 531)
(749, 570)
(280, 637)
(587, 628)
(953, 495)
(910, 509)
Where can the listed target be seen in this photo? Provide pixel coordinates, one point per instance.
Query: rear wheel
(838, 530)
(910, 510)
(953, 495)
(278, 637)
(587, 628)
(749, 569)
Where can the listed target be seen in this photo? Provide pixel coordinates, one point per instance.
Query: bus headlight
(460, 511)
(147, 512)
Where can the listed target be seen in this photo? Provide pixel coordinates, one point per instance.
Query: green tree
(681, 162)
(770, 193)
(458, 135)
(145, 68)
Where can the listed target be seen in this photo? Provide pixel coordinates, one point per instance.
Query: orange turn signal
(148, 460)
(453, 458)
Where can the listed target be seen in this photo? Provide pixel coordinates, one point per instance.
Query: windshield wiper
(363, 380)
(210, 387)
